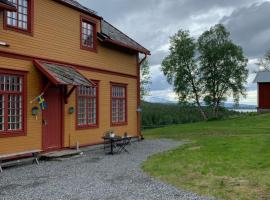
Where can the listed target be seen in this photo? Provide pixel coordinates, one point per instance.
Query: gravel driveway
(92, 176)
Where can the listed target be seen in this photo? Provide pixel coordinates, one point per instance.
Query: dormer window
(21, 19)
(88, 34)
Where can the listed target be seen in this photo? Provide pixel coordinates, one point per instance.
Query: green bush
(157, 114)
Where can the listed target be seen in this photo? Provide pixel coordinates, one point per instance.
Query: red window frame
(94, 24)
(121, 85)
(30, 19)
(23, 93)
(86, 126)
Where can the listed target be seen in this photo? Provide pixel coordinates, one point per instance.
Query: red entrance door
(52, 120)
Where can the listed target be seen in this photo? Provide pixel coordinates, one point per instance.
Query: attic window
(88, 35)
(21, 20)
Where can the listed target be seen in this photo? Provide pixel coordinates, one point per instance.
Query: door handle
(44, 122)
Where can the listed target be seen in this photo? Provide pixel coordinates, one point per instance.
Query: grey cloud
(250, 27)
(151, 23)
(159, 82)
(157, 57)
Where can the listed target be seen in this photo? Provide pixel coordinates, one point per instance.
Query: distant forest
(158, 114)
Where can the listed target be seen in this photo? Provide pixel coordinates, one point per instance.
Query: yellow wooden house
(84, 70)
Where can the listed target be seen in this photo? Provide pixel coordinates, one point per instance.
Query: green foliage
(145, 78)
(223, 66)
(210, 69)
(158, 115)
(265, 61)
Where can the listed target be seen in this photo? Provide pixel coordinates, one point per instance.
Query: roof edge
(126, 46)
(142, 51)
(262, 77)
(78, 9)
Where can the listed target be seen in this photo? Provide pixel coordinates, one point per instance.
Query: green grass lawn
(227, 159)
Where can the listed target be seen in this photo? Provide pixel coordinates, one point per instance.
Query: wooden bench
(35, 154)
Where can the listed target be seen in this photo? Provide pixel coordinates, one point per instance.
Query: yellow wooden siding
(56, 36)
(33, 139)
(93, 135)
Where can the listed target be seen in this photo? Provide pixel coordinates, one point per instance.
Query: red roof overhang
(60, 74)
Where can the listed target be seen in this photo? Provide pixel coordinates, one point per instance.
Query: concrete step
(61, 154)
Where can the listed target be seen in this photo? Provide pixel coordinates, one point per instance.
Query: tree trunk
(205, 118)
(215, 110)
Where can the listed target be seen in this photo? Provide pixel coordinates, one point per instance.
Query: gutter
(144, 58)
(126, 46)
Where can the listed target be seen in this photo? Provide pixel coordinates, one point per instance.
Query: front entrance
(52, 120)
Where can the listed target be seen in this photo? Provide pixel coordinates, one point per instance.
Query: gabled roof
(262, 77)
(5, 4)
(111, 34)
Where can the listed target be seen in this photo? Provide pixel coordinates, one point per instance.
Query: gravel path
(92, 176)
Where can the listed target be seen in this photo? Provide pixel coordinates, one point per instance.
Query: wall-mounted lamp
(139, 110)
(71, 110)
(4, 44)
(35, 111)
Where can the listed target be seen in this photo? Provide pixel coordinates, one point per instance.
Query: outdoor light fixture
(4, 44)
(139, 110)
(35, 111)
(71, 110)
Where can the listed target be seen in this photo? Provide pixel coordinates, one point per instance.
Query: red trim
(63, 117)
(8, 7)
(138, 96)
(126, 46)
(80, 67)
(47, 73)
(81, 10)
(126, 104)
(23, 132)
(97, 109)
(94, 24)
(30, 21)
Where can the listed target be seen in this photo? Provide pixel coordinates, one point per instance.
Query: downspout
(139, 63)
(144, 58)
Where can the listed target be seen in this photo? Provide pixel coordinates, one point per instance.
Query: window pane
(118, 104)
(87, 106)
(14, 112)
(2, 112)
(19, 19)
(11, 103)
(87, 34)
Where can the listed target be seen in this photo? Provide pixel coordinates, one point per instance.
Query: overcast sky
(151, 22)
